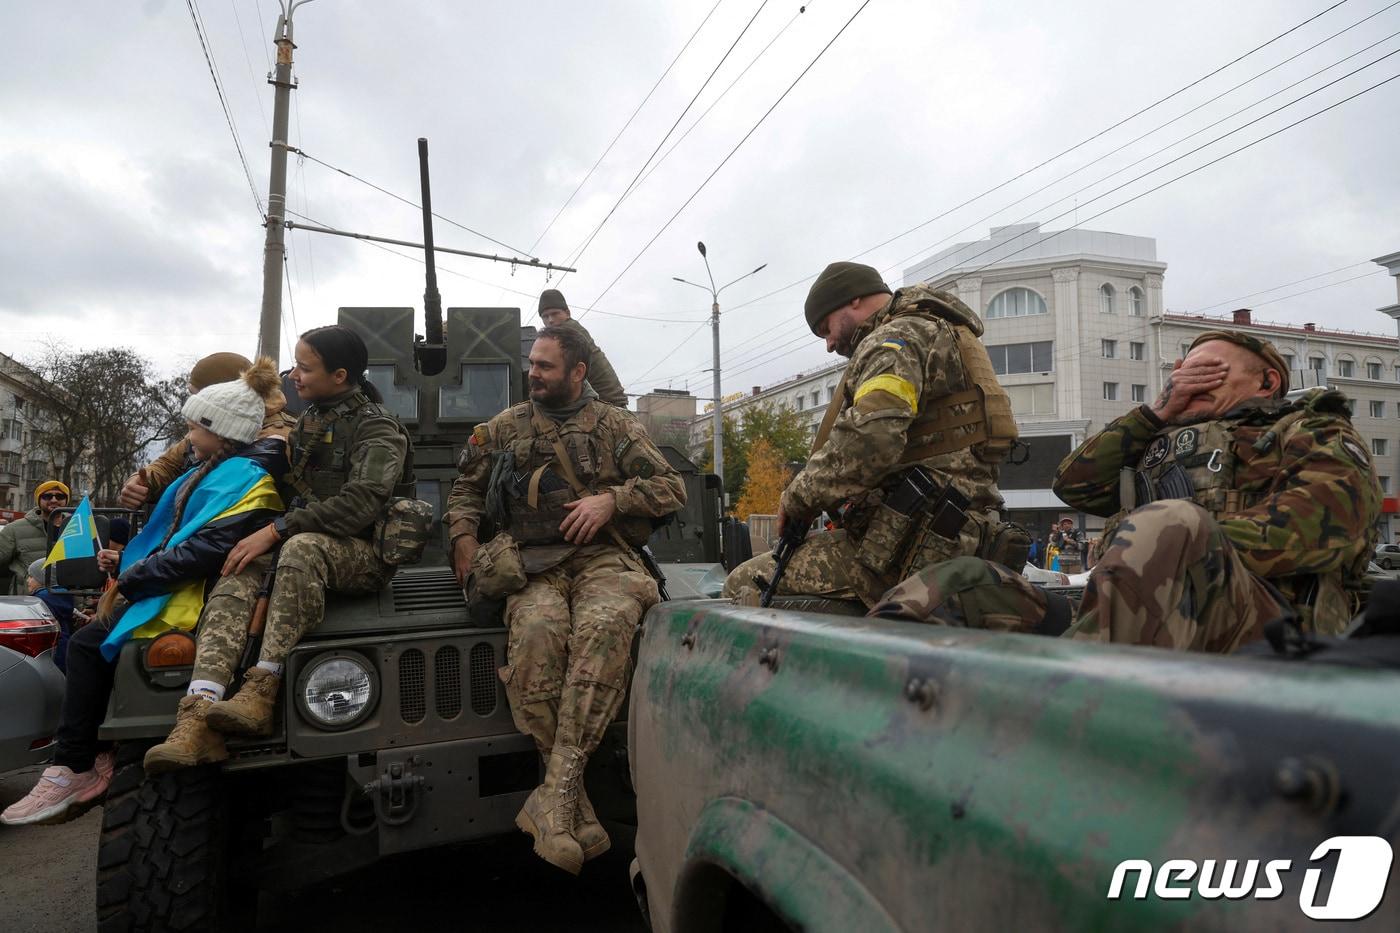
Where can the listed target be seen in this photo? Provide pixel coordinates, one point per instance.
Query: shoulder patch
(480, 435)
(894, 343)
(1357, 452)
(1186, 442)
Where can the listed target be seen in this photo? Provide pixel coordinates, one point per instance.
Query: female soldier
(349, 457)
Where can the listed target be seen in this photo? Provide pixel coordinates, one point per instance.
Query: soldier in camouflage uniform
(919, 392)
(1231, 507)
(572, 486)
(554, 311)
(349, 457)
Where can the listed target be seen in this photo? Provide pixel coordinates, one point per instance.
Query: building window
(1135, 350)
(798, 402)
(816, 398)
(1110, 349)
(1110, 391)
(1346, 369)
(1011, 358)
(1038, 399)
(1139, 393)
(1317, 364)
(1185, 349)
(830, 393)
(1288, 361)
(1373, 371)
(1136, 305)
(1351, 406)
(1397, 373)
(1385, 484)
(1016, 302)
(1106, 298)
(1377, 409)
(1378, 446)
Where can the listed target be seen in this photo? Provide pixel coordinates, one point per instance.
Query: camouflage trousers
(1167, 577)
(309, 565)
(569, 647)
(825, 565)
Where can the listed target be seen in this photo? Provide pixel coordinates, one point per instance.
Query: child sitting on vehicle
(165, 571)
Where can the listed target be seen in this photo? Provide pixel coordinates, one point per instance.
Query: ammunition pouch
(917, 522)
(402, 532)
(498, 569)
(1008, 544)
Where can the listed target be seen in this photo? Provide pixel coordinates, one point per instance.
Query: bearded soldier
(572, 486)
(912, 442)
(1231, 507)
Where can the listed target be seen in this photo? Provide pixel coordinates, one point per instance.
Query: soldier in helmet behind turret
(912, 443)
(1229, 506)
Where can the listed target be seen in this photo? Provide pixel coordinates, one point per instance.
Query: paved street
(46, 886)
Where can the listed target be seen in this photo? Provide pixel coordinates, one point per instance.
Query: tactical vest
(983, 409)
(321, 444)
(539, 488)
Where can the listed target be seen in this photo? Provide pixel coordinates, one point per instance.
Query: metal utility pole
(714, 329)
(274, 248)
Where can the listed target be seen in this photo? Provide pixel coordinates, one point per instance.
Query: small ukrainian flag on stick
(79, 537)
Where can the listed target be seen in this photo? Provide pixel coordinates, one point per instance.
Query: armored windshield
(401, 400)
(484, 392)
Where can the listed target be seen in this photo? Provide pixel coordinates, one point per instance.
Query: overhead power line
(409, 201)
(631, 185)
(1065, 152)
(557, 214)
(730, 155)
(223, 103)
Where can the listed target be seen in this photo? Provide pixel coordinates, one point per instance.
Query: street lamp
(714, 328)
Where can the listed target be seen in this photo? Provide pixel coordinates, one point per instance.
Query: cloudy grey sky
(125, 217)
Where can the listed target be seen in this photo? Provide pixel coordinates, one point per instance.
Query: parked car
(1388, 556)
(31, 687)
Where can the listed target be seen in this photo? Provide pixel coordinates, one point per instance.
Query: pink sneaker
(59, 796)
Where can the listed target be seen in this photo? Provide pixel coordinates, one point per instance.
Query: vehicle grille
(412, 691)
(483, 677)
(447, 681)
(429, 591)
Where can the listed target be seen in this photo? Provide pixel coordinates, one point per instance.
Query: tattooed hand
(1191, 378)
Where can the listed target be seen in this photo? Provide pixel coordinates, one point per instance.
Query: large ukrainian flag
(235, 486)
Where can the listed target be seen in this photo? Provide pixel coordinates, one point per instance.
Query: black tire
(163, 856)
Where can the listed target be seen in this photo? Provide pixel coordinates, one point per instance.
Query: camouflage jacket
(601, 376)
(354, 463)
(169, 466)
(610, 452)
(904, 360)
(1296, 492)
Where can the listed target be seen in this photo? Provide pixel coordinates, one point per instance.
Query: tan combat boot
(190, 743)
(250, 710)
(591, 835)
(550, 811)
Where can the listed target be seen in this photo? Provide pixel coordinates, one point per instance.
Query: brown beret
(216, 368)
(552, 298)
(1259, 347)
(839, 284)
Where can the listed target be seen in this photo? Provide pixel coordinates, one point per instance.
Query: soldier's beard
(550, 394)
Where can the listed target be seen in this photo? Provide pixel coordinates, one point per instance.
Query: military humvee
(416, 746)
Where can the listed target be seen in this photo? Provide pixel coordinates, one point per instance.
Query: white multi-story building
(807, 394)
(23, 464)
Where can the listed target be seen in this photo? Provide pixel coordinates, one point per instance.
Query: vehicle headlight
(337, 690)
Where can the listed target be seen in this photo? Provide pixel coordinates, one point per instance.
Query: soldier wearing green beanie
(918, 404)
(554, 311)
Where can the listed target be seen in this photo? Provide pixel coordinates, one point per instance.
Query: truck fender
(805, 887)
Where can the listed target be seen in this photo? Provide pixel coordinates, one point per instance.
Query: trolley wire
(223, 103)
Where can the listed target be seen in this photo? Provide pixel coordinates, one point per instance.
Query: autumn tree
(105, 409)
(781, 428)
(763, 482)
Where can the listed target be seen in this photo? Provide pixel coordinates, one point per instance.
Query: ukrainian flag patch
(894, 343)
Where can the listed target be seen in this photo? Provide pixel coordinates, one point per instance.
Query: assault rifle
(794, 533)
(258, 620)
